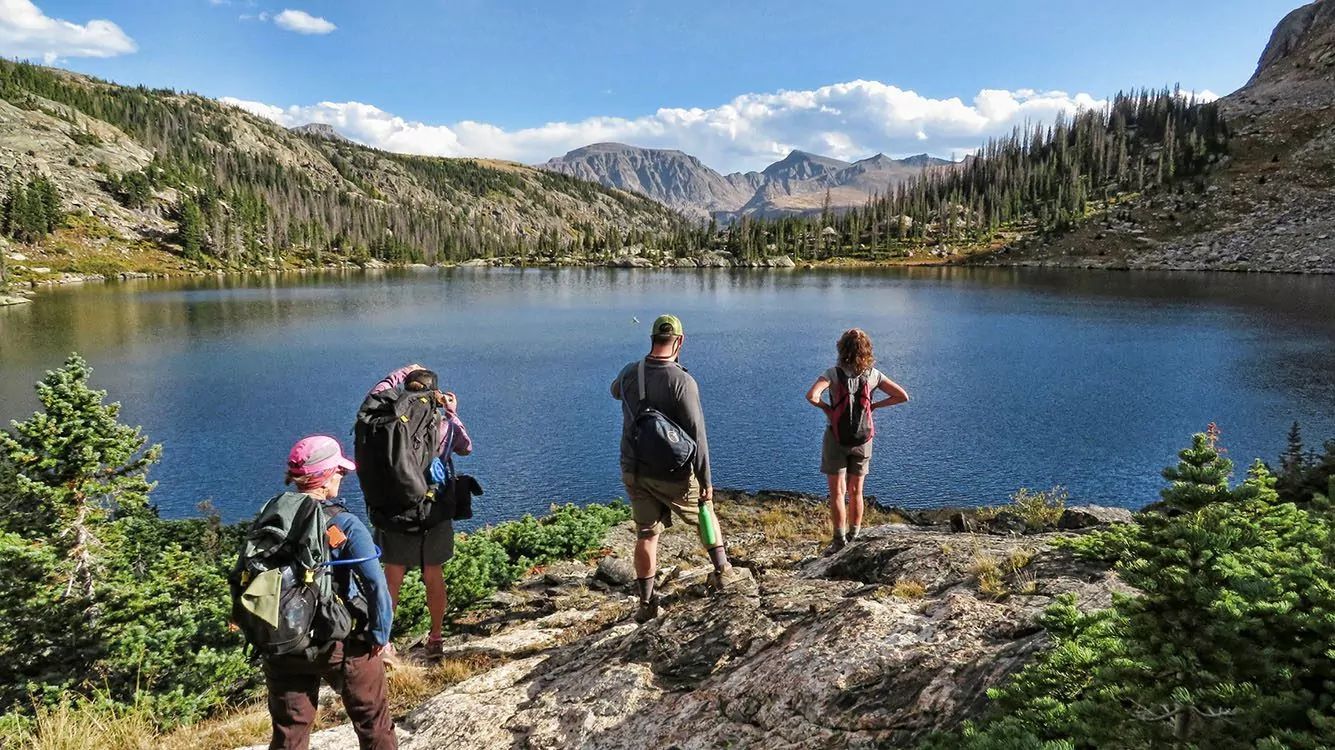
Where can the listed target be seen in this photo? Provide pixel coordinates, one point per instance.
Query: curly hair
(855, 351)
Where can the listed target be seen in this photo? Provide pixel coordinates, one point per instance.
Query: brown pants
(351, 669)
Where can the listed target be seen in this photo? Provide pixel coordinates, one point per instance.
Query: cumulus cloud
(848, 121)
(27, 32)
(303, 23)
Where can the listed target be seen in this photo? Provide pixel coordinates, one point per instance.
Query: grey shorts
(836, 458)
(415, 550)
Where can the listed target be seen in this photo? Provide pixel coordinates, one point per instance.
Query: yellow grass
(76, 726)
(787, 520)
(249, 726)
(986, 569)
(907, 588)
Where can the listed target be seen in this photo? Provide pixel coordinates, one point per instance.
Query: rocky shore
(896, 636)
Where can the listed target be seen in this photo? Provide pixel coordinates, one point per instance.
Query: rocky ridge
(896, 636)
(1268, 206)
(798, 183)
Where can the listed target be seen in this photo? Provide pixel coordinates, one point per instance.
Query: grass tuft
(908, 588)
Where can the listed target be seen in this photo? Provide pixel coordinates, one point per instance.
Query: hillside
(1267, 207)
(798, 183)
(155, 180)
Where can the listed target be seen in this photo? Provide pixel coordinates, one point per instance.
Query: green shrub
(496, 557)
(1227, 644)
(1040, 509)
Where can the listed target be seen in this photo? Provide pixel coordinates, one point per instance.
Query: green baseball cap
(667, 325)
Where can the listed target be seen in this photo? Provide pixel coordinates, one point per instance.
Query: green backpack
(284, 595)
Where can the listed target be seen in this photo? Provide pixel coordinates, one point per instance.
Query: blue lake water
(1033, 378)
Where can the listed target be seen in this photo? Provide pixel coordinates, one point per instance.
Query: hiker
(665, 459)
(431, 547)
(847, 442)
(351, 662)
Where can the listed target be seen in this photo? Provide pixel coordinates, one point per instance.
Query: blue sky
(506, 69)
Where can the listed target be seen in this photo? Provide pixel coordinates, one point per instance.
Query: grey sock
(839, 536)
(719, 557)
(646, 587)
(853, 533)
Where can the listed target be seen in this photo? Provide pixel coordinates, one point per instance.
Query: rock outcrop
(875, 646)
(320, 130)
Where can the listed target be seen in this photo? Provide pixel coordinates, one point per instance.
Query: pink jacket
(452, 431)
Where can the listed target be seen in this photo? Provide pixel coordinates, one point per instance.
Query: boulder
(1006, 522)
(616, 571)
(962, 524)
(632, 261)
(1089, 516)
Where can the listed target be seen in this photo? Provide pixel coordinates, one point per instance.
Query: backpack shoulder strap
(641, 373)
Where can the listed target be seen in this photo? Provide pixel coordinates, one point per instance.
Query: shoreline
(21, 292)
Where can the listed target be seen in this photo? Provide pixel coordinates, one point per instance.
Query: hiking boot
(647, 610)
(434, 647)
(729, 577)
(837, 544)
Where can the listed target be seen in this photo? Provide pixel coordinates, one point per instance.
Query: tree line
(1043, 177)
(31, 210)
(243, 205)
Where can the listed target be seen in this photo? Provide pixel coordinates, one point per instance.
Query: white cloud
(303, 23)
(25, 31)
(849, 121)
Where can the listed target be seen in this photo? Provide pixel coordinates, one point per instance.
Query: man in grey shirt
(670, 389)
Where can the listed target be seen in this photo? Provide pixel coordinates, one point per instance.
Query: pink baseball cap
(317, 454)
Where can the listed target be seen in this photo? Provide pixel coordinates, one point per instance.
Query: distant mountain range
(798, 183)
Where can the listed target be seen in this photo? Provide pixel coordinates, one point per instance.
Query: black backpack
(662, 449)
(394, 442)
(286, 598)
(850, 402)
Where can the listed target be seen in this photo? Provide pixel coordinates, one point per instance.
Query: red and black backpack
(850, 403)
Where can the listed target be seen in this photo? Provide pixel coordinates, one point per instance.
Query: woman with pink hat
(352, 666)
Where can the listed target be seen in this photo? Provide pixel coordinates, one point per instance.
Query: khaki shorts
(414, 550)
(836, 458)
(653, 501)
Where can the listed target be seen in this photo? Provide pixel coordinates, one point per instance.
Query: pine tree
(1200, 477)
(71, 469)
(190, 228)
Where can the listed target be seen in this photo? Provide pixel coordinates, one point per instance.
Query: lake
(1018, 377)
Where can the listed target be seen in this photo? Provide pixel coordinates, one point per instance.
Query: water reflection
(1019, 376)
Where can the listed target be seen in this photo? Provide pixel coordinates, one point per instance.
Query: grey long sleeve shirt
(671, 390)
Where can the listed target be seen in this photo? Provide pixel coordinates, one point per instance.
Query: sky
(738, 83)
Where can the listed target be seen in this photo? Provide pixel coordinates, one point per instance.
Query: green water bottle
(708, 534)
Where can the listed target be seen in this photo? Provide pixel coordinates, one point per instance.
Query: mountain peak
(1305, 35)
(321, 130)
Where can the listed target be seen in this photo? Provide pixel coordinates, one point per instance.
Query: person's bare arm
(817, 391)
(895, 394)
